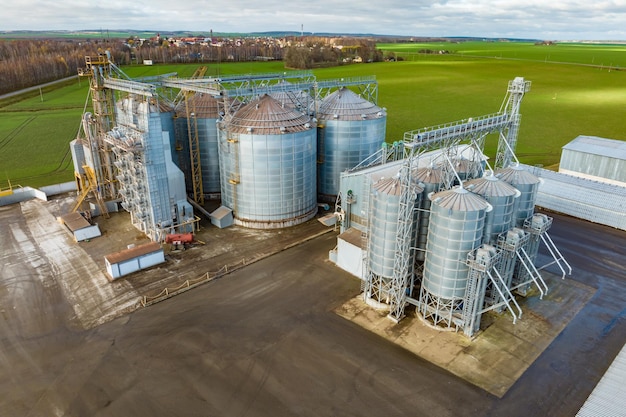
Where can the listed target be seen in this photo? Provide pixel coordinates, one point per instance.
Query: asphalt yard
(267, 339)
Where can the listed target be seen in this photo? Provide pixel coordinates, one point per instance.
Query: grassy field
(566, 100)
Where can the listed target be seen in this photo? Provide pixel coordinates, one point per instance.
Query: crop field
(584, 93)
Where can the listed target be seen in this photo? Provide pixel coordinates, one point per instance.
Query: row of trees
(25, 63)
(324, 52)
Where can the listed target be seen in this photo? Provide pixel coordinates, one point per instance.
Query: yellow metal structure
(194, 142)
(8, 191)
(97, 68)
(90, 186)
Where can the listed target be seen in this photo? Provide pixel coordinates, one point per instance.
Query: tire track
(13, 134)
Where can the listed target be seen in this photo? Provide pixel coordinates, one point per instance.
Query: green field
(567, 99)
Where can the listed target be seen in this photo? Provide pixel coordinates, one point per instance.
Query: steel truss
(483, 272)
(447, 137)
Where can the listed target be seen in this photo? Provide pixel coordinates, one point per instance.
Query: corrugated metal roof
(460, 164)
(291, 97)
(352, 236)
(345, 104)
(202, 105)
(583, 198)
(221, 212)
(608, 399)
(75, 221)
(516, 175)
(491, 186)
(389, 186)
(268, 116)
(134, 252)
(429, 175)
(598, 146)
(459, 199)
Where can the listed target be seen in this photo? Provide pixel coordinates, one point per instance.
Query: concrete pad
(500, 353)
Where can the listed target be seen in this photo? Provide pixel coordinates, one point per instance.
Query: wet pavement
(264, 340)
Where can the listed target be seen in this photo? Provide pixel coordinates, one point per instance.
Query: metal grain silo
(432, 179)
(350, 129)
(384, 226)
(527, 184)
(204, 109)
(268, 165)
(501, 196)
(455, 228)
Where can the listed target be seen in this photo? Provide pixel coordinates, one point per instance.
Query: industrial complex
(441, 228)
(437, 233)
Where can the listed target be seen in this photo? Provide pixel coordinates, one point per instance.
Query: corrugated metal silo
(432, 179)
(455, 228)
(205, 110)
(501, 196)
(268, 165)
(350, 129)
(527, 184)
(384, 225)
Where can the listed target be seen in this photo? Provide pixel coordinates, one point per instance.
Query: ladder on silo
(234, 177)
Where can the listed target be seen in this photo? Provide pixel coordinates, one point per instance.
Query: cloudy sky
(540, 19)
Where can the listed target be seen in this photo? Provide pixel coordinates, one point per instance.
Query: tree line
(29, 62)
(318, 52)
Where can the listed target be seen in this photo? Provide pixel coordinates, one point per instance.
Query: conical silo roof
(389, 186)
(164, 107)
(516, 175)
(268, 116)
(429, 175)
(344, 104)
(202, 105)
(490, 186)
(459, 199)
(290, 96)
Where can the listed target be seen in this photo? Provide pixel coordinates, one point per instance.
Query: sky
(530, 19)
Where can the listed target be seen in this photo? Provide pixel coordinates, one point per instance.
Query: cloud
(557, 19)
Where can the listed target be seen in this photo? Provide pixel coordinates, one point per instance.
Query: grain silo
(455, 228)
(383, 240)
(527, 184)
(268, 165)
(501, 196)
(350, 129)
(204, 109)
(432, 180)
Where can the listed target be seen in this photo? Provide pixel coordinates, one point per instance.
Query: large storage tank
(455, 228)
(432, 179)
(501, 196)
(528, 185)
(204, 108)
(350, 129)
(268, 165)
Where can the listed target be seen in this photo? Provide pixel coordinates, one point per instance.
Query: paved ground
(500, 353)
(265, 341)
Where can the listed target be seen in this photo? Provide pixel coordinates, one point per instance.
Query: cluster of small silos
(451, 223)
(467, 218)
